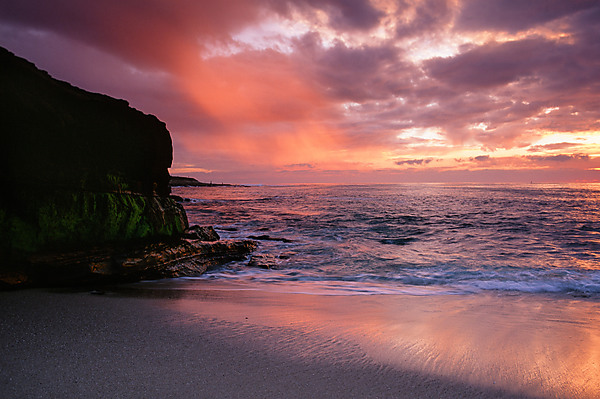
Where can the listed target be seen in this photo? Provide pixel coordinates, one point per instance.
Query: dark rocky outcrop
(202, 233)
(84, 176)
(264, 261)
(266, 237)
(125, 263)
(57, 135)
(269, 261)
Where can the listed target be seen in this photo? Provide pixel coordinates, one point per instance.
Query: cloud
(515, 15)
(300, 166)
(334, 84)
(493, 64)
(559, 158)
(354, 73)
(414, 162)
(341, 15)
(552, 147)
(349, 14)
(513, 84)
(146, 33)
(427, 16)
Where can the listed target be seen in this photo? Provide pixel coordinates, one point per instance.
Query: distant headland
(179, 181)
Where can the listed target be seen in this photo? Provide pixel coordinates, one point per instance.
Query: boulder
(202, 233)
(266, 237)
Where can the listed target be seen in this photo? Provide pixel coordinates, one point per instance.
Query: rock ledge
(118, 264)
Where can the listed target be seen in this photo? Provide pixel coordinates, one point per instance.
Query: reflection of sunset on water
(525, 344)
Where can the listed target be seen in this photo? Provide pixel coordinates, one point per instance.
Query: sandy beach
(213, 339)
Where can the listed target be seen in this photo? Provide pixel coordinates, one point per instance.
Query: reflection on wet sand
(527, 344)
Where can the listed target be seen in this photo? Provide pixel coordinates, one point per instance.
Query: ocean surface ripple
(420, 239)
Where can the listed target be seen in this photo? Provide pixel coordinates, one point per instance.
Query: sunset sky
(348, 91)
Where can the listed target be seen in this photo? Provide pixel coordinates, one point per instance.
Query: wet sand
(209, 339)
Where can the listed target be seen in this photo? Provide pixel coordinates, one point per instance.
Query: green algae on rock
(67, 219)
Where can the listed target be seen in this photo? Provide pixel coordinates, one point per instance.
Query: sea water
(422, 239)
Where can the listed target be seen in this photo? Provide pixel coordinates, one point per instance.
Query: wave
(576, 283)
(422, 239)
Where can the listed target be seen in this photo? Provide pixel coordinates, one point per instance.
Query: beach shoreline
(213, 339)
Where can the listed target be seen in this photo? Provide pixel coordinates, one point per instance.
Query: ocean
(418, 239)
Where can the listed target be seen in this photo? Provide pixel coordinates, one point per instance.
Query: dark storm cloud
(516, 15)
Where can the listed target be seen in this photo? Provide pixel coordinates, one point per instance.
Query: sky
(340, 91)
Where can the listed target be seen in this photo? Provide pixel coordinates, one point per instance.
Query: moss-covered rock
(67, 219)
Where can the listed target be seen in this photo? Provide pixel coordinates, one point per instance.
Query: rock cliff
(56, 135)
(79, 171)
